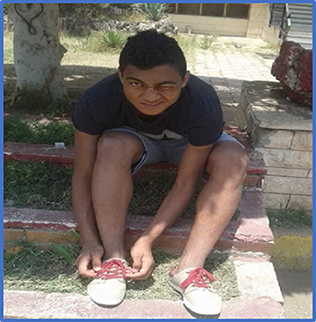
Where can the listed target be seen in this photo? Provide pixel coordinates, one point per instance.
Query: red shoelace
(112, 269)
(199, 277)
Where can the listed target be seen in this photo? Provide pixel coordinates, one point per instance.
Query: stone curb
(257, 280)
(49, 153)
(250, 232)
(33, 305)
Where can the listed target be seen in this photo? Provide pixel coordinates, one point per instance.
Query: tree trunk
(37, 51)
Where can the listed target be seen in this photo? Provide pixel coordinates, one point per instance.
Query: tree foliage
(83, 10)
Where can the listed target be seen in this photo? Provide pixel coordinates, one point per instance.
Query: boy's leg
(121, 153)
(112, 187)
(217, 202)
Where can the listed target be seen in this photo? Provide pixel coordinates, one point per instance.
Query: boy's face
(152, 91)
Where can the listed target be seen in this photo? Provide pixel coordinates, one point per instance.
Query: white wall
(218, 26)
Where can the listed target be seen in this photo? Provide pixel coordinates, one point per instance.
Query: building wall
(211, 25)
(257, 19)
(270, 34)
(256, 26)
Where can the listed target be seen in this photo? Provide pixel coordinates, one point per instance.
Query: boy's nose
(151, 94)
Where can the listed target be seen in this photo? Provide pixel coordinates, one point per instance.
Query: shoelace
(199, 277)
(112, 269)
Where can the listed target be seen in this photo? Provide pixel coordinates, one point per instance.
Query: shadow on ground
(77, 78)
(296, 287)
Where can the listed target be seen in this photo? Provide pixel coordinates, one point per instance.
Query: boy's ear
(120, 75)
(185, 79)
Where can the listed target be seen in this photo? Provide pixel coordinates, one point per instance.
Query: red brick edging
(249, 233)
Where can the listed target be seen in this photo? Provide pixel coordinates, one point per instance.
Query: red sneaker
(198, 294)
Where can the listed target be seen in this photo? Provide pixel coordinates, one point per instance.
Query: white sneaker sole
(103, 300)
(192, 307)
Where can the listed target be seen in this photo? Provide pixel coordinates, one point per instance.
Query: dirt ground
(83, 69)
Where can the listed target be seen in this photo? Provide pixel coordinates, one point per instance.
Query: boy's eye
(136, 84)
(165, 87)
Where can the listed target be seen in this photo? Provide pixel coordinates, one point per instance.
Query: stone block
(241, 119)
(287, 185)
(42, 236)
(302, 141)
(302, 173)
(286, 158)
(275, 200)
(300, 202)
(293, 68)
(271, 109)
(310, 175)
(264, 138)
(13, 235)
(252, 308)
(258, 279)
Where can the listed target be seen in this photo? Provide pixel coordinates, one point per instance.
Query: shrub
(113, 39)
(207, 42)
(153, 11)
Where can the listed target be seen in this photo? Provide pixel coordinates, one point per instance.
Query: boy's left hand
(143, 261)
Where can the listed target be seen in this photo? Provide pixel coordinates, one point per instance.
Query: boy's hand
(143, 261)
(89, 260)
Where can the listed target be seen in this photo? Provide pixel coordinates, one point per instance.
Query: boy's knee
(228, 161)
(122, 145)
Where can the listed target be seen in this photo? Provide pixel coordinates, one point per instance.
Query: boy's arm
(85, 155)
(191, 168)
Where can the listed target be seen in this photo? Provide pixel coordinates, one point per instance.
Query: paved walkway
(237, 60)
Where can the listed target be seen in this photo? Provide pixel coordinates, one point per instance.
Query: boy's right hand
(90, 259)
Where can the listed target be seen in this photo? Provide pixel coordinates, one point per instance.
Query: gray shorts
(155, 151)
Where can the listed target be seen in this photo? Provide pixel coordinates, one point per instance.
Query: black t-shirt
(197, 113)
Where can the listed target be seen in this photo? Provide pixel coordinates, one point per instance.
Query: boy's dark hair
(149, 49)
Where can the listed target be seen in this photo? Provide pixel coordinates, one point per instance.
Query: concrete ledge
(249, 232)
(34, 305)
(46, 152)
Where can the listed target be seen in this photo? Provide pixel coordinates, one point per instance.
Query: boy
(152, 110)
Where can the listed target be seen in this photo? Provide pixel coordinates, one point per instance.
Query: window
(189, 8)
(231, 10)
(213, 9)
(237, 10)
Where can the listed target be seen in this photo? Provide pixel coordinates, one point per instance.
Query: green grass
(27, 131)
(290, 218)
(29, 100)
(31, 268)
(43, 185)
(97, 42)
(37, 185)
